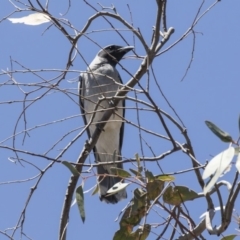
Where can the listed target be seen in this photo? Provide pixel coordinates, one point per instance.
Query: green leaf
(80, 202)
(120, 172)
(135, 172)
(165, 178)
(123, 233)
(132, 218)
(176, 195)
(154, 189)
(149, 176)
(133, 215)
(224, 136)
(139, 199)
(229, 237)
(142, 232)
(117, 188)
(129, 219)
(71, 168)
(96, 189)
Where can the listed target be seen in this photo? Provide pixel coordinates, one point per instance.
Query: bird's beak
(126, 49)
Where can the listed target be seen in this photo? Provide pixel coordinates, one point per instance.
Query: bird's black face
(114, 53)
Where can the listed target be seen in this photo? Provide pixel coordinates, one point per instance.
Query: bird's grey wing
(122, 127)
(107, 182)
(81, 92)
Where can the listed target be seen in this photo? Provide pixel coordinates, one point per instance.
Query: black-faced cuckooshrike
(103, 80)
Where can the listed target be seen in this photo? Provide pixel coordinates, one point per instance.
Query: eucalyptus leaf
(120, 172)
(154, 189)
(122, 234)
(225, 157)
(229, 237)
(71, 168)
(224, 136)
(117, 188)
(238, 163)
(32, 19)
(219, 164)
(96, 189)
(178, 194)
(80, 202)
(142, 232)
(135, 172)
(165, 178)
(149, 175)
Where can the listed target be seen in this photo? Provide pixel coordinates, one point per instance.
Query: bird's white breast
(101, 82)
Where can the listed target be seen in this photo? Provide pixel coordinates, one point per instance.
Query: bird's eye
(112, 47)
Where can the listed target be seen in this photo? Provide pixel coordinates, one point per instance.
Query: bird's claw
(87, 145)
(99, 127)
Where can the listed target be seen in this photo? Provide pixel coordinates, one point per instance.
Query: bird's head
(114, 53)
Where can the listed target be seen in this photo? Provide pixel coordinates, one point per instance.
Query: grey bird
(103, 80)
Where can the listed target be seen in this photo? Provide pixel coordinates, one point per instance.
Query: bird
(102, 79)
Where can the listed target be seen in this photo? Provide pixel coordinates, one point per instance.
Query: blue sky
(210, 91)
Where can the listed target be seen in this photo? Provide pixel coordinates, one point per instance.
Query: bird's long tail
(106, 182)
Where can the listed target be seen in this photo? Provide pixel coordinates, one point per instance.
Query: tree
(169, 92)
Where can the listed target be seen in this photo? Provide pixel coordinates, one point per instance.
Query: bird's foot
(87, 146)
(112, 104)
(98, 126)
